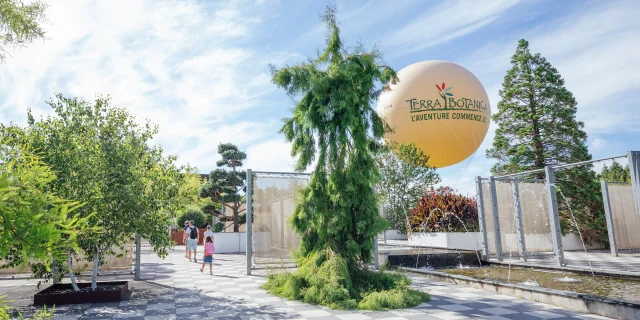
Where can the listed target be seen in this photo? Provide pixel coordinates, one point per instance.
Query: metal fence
(519, 216)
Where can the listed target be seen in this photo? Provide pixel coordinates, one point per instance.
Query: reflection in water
(617, 288)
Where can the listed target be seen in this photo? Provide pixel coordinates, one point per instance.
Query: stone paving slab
(181, 291)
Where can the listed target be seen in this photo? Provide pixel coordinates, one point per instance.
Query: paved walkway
(175, 289)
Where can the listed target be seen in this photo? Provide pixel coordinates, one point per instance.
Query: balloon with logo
(439, 106)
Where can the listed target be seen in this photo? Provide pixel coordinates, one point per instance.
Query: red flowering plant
(445, 210)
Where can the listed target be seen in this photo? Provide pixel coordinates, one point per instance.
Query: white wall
(236, 242)
(392, 235)
(449, 240)
(473, 241)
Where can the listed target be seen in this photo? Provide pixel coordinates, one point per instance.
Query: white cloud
(447, 21)
(595, 52)
(271, 155)
(180, 64)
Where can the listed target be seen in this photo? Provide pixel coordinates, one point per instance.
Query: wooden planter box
(177, 235)
(48, 297)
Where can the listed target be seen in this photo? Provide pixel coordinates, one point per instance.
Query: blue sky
(200, 69)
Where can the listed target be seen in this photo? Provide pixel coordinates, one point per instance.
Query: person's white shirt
(207, 233)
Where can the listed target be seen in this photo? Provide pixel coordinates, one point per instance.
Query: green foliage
(324, 278)
(615, 173)
(6, 312)
(405, 174)
(193, 213)
(20, 24)
(393, 299)
(102, 157)
(35, 225)
(444, 210)
(337, 217)
(537, 126)
(226, 188)
(218, 227)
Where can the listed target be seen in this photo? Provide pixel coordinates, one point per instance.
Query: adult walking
(185, 236)
(192, 242)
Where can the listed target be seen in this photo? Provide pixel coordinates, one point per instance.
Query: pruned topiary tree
(227, 187)
(334, 122)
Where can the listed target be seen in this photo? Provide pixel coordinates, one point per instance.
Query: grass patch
(326, 279)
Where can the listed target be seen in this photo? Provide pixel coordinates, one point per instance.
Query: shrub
(218, 227)
(324, 278)
(444, 210)
(193, 213)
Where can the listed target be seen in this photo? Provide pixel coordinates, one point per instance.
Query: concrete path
(176, 289)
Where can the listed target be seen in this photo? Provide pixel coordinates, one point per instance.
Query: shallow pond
(617, 288)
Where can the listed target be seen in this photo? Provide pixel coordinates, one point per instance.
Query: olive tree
(103, 158)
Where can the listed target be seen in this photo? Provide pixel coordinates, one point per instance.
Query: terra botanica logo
(449, 103)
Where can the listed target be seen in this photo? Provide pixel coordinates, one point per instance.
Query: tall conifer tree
(335, 123)
(537, 126)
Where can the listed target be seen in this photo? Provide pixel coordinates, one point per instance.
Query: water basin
(617, 288)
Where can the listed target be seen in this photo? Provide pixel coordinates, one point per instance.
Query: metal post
(554, 218)
(522, 249)
(376, 263)
(375, 239)
(607, 214)
(634, 168)
(482, 219)
(496, 218)
(138, 245)
(283, 223)
(384, 232)
(249, 219)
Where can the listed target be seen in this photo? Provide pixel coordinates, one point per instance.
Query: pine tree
(334, 121)
(227, 187)
(538, 127)
(615, 173)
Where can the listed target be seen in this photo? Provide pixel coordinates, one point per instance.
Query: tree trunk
(94, 275)
(236, 223)
(54, 275)
(538, 148)
(71, 275)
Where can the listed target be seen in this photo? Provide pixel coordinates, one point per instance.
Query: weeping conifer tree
(338, 216)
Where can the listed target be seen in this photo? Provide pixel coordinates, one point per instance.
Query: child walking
(208, 254)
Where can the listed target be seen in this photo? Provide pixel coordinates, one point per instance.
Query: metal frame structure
(249, 212)
(634, 165)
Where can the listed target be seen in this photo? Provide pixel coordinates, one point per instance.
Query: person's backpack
(194, 233)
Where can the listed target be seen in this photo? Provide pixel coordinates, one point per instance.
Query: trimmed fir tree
(227, 188)
(334, 122)
(537, 126)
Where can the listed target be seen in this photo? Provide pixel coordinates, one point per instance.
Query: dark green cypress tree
(615, 173)
(335, 123)
(537, 126)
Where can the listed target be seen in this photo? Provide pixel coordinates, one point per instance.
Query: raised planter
(59, 294)
(392, 235)
(449, 240)
(432, 260)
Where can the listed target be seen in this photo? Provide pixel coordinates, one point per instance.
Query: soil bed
(59, 294)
